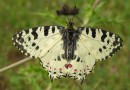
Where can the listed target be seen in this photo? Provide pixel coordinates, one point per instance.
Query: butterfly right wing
(101, 44)
(35, 42)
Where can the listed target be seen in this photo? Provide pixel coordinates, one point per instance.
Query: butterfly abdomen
(70, 38)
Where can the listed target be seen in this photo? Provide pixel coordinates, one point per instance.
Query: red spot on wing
(60, 69)
(68, 66)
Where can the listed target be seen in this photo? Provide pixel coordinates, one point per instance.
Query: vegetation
(15, 15)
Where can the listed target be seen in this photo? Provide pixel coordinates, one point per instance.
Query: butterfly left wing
(36, 42)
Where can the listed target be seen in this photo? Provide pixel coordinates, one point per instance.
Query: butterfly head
(70, 24)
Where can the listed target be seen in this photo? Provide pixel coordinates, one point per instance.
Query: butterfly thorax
(70, 38)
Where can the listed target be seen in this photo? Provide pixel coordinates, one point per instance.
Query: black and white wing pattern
(44, 43)
(53, 62)
(57, 66)
(48, 44)
(83, 63)
(36, 42)
(100, 43)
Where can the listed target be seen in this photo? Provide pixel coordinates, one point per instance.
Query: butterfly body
(69, 37)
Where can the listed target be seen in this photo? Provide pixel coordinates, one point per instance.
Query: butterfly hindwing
(83, 63)
(57, 67)
(100, 43)
(53, 62)
(35, 42)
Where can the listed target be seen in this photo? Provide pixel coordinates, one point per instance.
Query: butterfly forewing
(100, 43)
(35, 42)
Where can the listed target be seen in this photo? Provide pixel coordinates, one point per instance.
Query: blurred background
(15, 15)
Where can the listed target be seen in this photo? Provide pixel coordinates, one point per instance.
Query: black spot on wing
(116, 38)
(37, 48)
(59, 59)
(54, 72)
(28, 54)
(78, 59)
(110, 34)
(87, 30)
(53, 29)
(108, 41)
(93, 32)
(104, 47)
(29, 38)
(20, 34)
(46, 30)
(104, 35)
(106, 57)
(33, 56)
(121, 42)
(115, 43)
(54, 59)
(100, 49)
(34, 33)
(26, 31)
(33, 44)
(80, 74)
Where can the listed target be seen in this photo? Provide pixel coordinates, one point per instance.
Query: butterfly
(67, 51)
